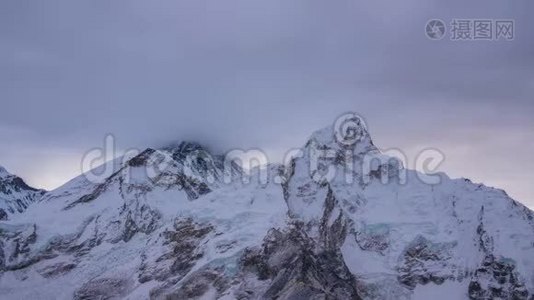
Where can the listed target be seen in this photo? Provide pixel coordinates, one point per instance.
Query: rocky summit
(15, 194)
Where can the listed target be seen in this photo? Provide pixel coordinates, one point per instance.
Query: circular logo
(349, 129)
(435, 29)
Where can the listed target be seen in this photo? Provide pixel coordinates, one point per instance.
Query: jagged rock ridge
(15, 194)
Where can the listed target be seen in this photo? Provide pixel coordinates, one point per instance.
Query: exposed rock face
(56, 269)
(103, 288)
(296, 267)
(497, 280)
(182, 244)
(16, 246)
(424, 262)
(316, 229)
(15, 195)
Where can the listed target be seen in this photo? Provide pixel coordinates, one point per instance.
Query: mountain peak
(349, 132)
(15, 194)
(180, 150)
(3, 171)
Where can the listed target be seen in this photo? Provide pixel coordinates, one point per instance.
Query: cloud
(258, 74)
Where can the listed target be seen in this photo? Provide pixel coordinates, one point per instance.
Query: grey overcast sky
(265, 74)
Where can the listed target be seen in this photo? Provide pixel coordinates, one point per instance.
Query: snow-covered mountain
(194, 230)
(15, 194)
